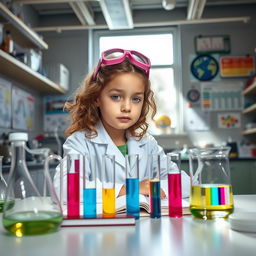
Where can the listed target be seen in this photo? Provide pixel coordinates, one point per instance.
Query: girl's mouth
(124, 118)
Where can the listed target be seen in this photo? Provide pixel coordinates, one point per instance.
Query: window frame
(176, 66)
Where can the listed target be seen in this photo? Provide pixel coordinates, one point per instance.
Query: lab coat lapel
(112, 149)
(104, 138)
(135, 146)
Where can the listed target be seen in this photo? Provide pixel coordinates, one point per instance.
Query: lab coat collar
(135, 146)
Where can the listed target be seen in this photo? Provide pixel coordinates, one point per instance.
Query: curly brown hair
(84, 115)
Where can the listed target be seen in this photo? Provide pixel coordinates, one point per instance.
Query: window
(161, 47)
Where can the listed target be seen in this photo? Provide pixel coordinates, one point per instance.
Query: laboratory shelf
(250, 109)
(249, 131)
(21, 33)
(20, 72)
(250, 89)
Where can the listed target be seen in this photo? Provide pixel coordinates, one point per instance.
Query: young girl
(108, 116)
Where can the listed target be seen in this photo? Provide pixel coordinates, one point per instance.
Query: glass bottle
(211, 191)
(29, 209)
(8, 42)
(3, 186)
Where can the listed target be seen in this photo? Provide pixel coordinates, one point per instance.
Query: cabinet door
(243, 177)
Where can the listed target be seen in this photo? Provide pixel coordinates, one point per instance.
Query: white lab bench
(164, 236)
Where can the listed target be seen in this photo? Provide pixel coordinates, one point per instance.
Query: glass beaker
(29, 209)
(3, 186)
(211, 191)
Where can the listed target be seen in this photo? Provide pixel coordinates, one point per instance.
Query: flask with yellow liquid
(211, 191)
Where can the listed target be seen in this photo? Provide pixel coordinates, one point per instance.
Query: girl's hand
(122, 191)
(144, 187)
(162, 194)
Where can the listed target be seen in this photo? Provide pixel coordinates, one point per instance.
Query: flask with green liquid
(29, 208)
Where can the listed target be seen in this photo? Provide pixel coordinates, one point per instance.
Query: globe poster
(204, 68)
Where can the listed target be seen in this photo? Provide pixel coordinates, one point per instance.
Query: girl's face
(121, 101)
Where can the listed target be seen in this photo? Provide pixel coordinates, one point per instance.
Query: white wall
(71, 49)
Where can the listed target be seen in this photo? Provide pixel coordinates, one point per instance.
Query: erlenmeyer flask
(3, 186)
(29, 209)
(211, 191)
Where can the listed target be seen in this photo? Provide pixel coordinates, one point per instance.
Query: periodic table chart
(222, 96)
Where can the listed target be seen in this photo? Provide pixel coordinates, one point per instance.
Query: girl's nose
(126, 106)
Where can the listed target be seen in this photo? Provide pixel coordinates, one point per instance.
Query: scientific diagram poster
(55, 118)
(23, 109)
(5, 103)
(222, 96)
(229, 120)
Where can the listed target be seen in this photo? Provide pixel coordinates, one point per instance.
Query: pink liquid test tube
(174, 191)
(73, 196)
(174, 185)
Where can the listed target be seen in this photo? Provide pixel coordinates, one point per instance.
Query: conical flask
(29, 208)
(3, 186)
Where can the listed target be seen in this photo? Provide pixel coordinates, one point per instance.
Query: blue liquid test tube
(89, 187)
(132, 185)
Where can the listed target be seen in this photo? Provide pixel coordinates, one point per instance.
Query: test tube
(154, 185)
(89, 186)
(132, 185)
(174, 185)
(73, 196)
(108, 186)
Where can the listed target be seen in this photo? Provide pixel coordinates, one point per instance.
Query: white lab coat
(77, 143)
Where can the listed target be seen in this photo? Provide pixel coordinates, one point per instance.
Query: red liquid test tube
(73, 196)
(174, 185)
(174, 195)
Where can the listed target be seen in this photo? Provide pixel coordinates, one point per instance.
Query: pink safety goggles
(116, 56)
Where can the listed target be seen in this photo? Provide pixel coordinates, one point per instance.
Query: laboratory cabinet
(250, 91)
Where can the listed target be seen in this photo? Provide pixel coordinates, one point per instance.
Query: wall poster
(204, 68)
(55, 118)
(229, 120)
(222, 96)
(5, 103)
(23, 109)
(237, 66)
(212, 44)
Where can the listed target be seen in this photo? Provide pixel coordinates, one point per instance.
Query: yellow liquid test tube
(108, 202)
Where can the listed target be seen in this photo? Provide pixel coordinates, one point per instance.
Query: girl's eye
(136, 99)
(115, 97)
